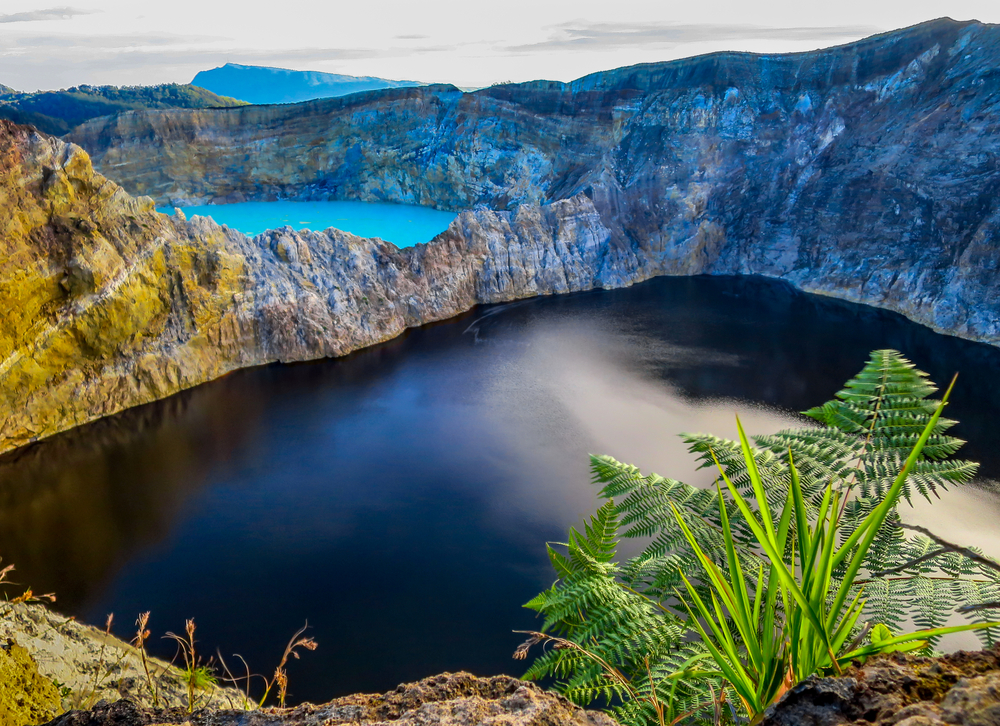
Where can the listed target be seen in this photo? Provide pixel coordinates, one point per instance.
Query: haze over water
(400, 498)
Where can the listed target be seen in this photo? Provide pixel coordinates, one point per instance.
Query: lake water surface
(400, 498)
(402, 224)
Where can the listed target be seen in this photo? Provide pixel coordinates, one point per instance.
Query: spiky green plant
(197, 674)
(762, 655)
(626, 614)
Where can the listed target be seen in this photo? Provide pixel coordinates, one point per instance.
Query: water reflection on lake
(400, 498)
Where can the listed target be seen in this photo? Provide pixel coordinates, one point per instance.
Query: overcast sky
(465, 42)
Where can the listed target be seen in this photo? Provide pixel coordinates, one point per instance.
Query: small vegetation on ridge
(57, 112)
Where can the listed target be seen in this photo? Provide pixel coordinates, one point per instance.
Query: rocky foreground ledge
(449, 699)
(961, 689)
(50, 664)
(102, 684)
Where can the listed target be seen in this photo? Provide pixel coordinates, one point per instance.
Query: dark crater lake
(400, 498)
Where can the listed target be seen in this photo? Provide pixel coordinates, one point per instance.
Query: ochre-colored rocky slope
(103, 302)
(107, 304)
(868, 171)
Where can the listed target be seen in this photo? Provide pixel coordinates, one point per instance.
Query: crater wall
(868, 172)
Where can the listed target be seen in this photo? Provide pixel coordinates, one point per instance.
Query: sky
(466, 42)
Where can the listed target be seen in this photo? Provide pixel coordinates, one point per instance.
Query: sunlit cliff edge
(106, 304)
(868, 172)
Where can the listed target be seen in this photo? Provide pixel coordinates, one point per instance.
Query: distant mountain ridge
(266, 85)
(56, 112)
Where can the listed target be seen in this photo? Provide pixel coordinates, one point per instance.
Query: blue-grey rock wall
(867, 171)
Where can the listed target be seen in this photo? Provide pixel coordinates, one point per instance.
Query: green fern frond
(625, 612)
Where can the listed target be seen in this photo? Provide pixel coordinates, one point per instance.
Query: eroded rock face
(106, 304)
(868, 171)
(88, 665)
(960, 688)
(450, 699)
(103, 302)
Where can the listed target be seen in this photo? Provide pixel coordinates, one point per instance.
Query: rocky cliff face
(102, 301)
(959, 688)
(106, 304)
(868, 171)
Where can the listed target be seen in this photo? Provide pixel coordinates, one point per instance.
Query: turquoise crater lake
(402, 224)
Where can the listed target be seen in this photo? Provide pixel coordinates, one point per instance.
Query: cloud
(55, 61)
(609, 36)
(46, 14)
(167, 48)
(113, 43)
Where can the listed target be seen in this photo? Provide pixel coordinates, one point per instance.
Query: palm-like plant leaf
(846, 468)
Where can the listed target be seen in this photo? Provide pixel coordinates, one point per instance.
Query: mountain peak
(267, 85)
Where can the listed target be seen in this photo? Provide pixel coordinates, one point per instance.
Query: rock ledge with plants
(959, 688)
(457, 699)
(60, 664)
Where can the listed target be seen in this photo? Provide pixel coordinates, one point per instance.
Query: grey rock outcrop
(960, 688)
(91, 665)
(450, 699)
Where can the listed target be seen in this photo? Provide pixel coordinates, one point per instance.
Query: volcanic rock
(450, 699)
(868, 171)
(959, 688)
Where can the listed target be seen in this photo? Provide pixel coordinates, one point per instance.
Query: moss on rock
(26, 697)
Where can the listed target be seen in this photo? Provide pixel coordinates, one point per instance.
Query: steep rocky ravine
(867, 171)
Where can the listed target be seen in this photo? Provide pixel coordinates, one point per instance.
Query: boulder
(899, 690)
